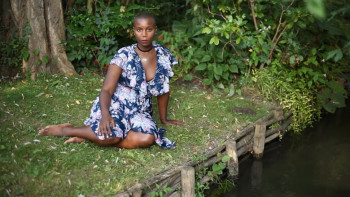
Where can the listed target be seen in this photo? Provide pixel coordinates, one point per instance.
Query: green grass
(33, 165)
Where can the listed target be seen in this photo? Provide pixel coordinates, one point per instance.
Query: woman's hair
(145, 16)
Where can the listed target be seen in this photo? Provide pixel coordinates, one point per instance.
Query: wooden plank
(279, 128)
(278, 131)
(175, 194)
(246, 140)
(187, 181)
(245, 149)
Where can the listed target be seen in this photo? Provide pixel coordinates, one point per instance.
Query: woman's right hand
(104, 128)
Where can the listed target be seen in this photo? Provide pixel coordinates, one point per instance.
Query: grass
(33, 165)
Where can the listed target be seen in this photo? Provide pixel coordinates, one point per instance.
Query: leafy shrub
(333, 96)
(12, 52)
(300, 100)
(93, 38)
(216, 68)
(237, 39)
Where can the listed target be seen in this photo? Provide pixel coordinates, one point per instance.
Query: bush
(94, 38)
(12, 52)
(300, 100)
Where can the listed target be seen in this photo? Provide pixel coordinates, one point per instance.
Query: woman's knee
(137, 140)
(146, 141)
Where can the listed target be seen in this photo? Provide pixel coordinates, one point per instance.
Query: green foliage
(93, 39)
(333, 96)
(186, 41)
(302, 48)
(200, 188)
(223, 188)
(13, 52)
(300, 100)
(217, 168)
(288, 35)
(213, 174)
(161, 191)
(316, 7)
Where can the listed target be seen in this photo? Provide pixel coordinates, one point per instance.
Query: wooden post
(187, 181)
(231, 150)
(259, 140)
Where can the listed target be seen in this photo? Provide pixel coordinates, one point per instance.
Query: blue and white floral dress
(131, 103)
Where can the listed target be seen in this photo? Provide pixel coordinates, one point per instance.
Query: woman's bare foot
(74, 140)
(54, 130)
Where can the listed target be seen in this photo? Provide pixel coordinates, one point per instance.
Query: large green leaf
(214, 40)
(316, 8)
(202, 66)
(207, 81)
(336, 54)
(206, 58)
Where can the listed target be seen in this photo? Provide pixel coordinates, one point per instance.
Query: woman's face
(144, 30)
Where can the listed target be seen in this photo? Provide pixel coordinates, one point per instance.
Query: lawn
(33, 165)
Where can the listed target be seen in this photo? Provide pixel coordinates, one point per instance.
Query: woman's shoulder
(127, 49)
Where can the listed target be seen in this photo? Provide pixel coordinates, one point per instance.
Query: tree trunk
(46, 22)
(70, 5)
(56, 34)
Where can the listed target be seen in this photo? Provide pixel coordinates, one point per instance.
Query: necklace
(148, 50)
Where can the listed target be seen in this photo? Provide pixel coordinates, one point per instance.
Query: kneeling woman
(122, 114)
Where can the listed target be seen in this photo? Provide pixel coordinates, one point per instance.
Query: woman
(122, 114)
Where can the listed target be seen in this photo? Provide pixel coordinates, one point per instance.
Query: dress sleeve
(160, 84)
(120, 58)
(171, 62)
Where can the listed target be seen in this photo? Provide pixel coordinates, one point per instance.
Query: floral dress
(131, 103)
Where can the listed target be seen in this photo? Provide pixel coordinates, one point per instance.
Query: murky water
(316, 163)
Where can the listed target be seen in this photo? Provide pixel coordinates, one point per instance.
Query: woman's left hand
(173, 122)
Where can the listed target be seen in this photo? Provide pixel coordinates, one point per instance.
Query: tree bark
(70, 5)
(56, 34)
(46, 22)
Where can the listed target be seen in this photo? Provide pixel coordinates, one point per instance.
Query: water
(316, 163)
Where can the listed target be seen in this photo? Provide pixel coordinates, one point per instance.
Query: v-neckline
(143, 69)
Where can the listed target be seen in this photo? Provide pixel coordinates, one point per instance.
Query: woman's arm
(163, 106)
(107, 90)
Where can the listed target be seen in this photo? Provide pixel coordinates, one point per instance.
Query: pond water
(315, 163)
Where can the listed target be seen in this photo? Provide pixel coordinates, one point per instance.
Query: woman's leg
(137, 140)
(133, 140)
(83, 132)
(74, 140)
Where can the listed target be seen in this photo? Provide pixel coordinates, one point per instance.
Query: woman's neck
(145, 50)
